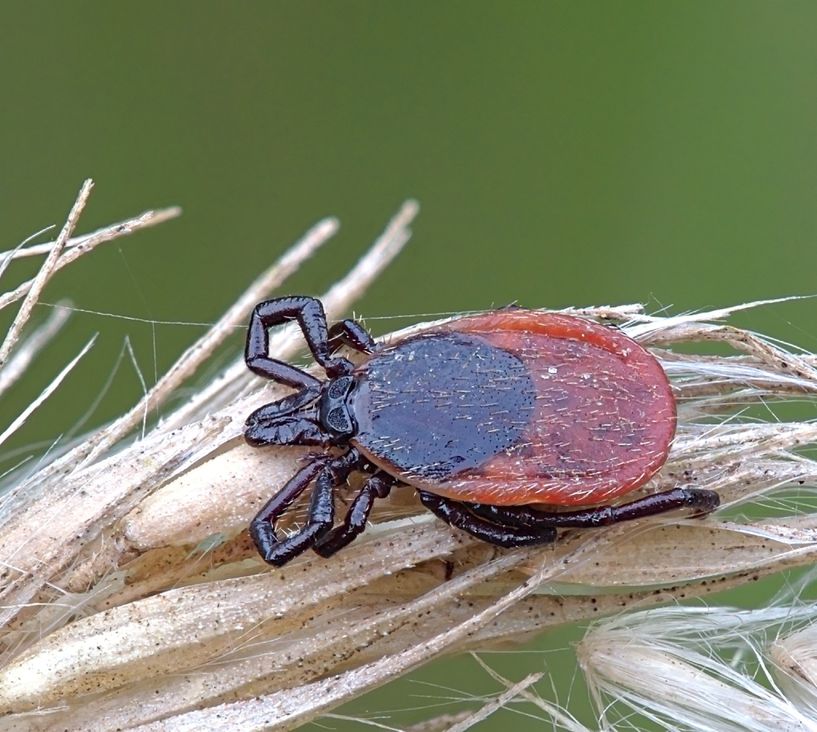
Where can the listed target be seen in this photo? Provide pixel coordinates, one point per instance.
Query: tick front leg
(320, 515)
(311, 317)
(353, 334)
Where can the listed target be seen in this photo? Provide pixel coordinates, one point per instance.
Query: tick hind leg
(701, 501)
(509, 534)
(514, 526)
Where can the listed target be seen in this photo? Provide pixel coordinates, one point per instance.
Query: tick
(508, 424)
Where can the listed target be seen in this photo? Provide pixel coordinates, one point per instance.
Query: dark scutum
(436, 405)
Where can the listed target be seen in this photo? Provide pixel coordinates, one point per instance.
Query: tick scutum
(436, 405)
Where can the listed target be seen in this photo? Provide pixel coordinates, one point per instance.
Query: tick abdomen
(563, 411)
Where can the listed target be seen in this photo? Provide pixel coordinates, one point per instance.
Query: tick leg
(353, 334)
(280, 372)
(702, 501)
(457, 514)
(526, 516)
(327, 473)
(262, 527)
(284, 407)
(311, 317)
(377, 486)
(319, 519)
(260, 431)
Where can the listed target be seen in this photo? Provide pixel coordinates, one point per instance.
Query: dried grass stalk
(696, 668)
(131, 597)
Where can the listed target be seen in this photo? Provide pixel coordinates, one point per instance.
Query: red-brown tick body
(516, 407)
(509, 425)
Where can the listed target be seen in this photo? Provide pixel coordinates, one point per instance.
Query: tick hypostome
(497, 420)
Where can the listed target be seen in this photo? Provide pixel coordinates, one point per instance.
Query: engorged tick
(497, 420)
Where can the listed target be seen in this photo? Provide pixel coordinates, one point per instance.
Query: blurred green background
(564, 153)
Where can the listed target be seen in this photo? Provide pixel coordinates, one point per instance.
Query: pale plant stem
(50, 389)
(85, 244)
(48, 268)
(513, 692)
(28, 350)
(132, 598)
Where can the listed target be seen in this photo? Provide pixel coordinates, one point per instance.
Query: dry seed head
(131, 594)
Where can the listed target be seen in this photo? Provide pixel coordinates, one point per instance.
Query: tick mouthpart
(278, 422)
(259, 428)
(334, 412)
(289, 406)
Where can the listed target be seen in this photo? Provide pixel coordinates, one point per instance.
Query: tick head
(334, 411)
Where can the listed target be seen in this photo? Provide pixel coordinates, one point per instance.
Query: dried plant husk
(131, 597)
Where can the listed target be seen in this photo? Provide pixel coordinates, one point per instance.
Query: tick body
(509, 424)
